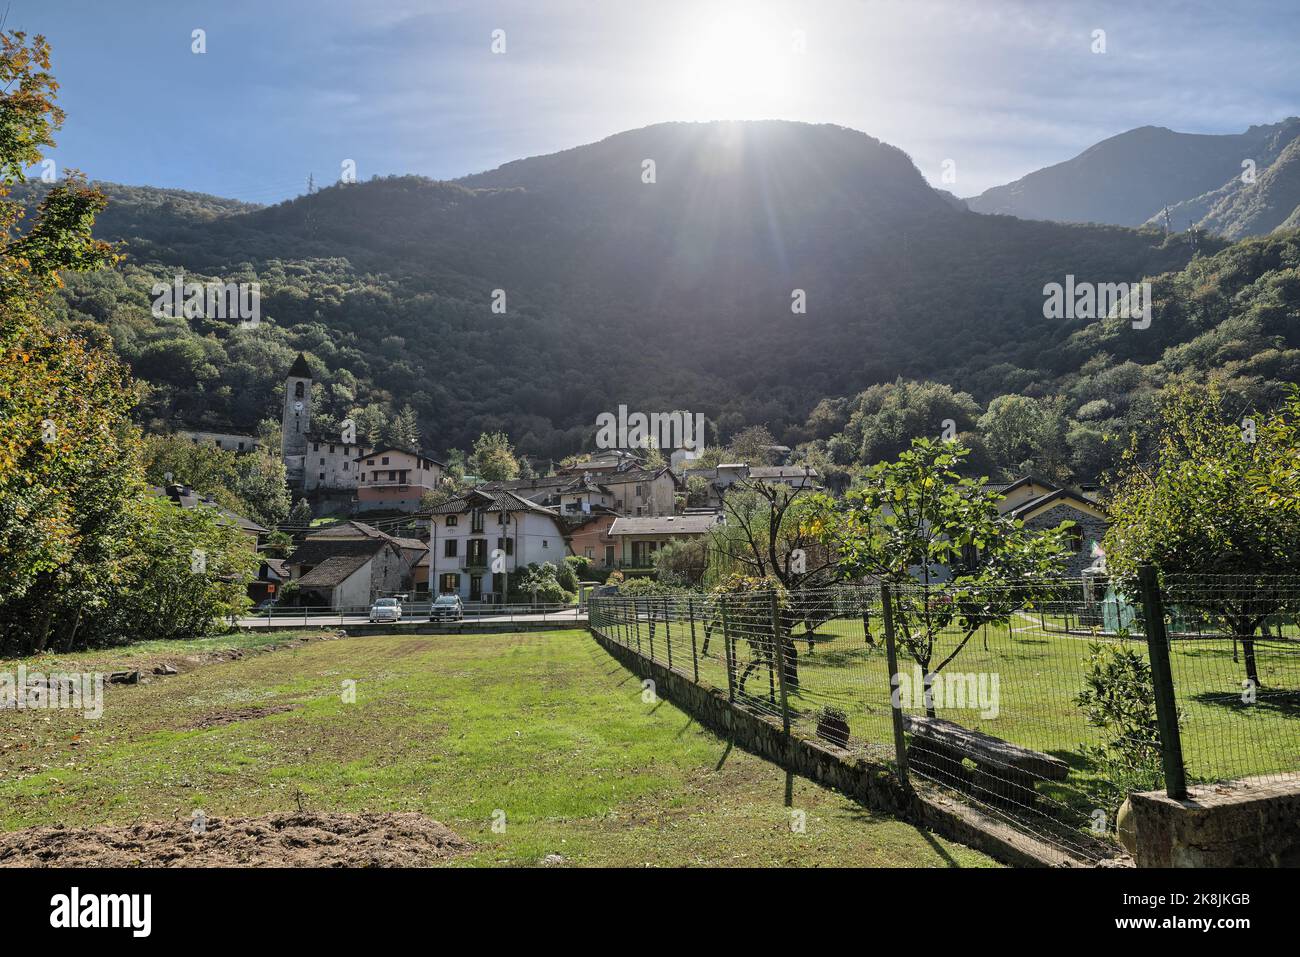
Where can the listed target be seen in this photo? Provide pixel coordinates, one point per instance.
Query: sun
(736, 67)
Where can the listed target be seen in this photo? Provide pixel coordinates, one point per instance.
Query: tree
(918, 516)
(752, 445)
(68, 452)
(1214, 499)
(682, 562)
(402, 431)
(300, 514)
(188, 570)
(493, 459)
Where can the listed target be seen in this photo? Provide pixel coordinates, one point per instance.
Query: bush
(1119, 698)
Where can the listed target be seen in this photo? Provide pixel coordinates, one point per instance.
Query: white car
(386, 609)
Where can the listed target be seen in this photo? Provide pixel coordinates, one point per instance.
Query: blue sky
(289, 87)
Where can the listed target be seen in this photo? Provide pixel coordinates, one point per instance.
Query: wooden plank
(985, 748)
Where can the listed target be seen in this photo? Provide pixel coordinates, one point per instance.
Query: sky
(288, 88)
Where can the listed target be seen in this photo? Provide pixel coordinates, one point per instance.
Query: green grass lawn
(544, 727)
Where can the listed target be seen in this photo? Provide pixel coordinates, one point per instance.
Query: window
(298, 390)
(449, 582)
(506, 545)
(345, 465)
(322, 461)
(322, 476)
(589, 552)
(315, 446)
(370, 461)
(449, 548)
(384, 461)
(331, 450)
(476, 552)
(640, 491)
(476, 520)
(241, 446)
(545, 543)
(609, 555)
(451, 521)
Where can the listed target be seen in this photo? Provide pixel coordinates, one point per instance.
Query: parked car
(448, 607)
(386, 609)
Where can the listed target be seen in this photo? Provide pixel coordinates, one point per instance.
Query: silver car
(386, 609)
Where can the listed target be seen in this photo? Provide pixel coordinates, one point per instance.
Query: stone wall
(1254, 822)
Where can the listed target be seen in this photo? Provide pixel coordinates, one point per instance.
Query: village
(612, 510)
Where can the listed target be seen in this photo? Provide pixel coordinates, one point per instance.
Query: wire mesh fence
(1037, 700)
(1235, 660)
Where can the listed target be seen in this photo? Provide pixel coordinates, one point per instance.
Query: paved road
(284, 620)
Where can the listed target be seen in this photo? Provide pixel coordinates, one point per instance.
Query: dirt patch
(233, 715)
(276, 840)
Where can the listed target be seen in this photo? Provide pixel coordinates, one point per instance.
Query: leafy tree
(188, 570)
(68, 453)
(493, 459)
(1213, 500)
(301, 513)
(751, 445)
(682, 562)
(917, 516)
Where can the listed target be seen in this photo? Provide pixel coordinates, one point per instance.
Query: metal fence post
(1171, 745)
(650, 618)
(895, 703)
(695, 652)
(778, 652)
(727, 649)
(668, 634)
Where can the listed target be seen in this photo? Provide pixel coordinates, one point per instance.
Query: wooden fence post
(778, 653)
(895, 703)
(1171, 745)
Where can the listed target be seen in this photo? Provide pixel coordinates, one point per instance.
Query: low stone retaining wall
(1253, 822)
(870, 782)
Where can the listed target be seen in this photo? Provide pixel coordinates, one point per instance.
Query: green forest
(678, 294)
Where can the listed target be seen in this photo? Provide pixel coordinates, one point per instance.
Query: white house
(477, 541)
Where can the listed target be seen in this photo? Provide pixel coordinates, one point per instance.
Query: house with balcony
(395, 479)
(477, 541)
(642, 492)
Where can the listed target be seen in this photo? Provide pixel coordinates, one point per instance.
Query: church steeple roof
(300, 369)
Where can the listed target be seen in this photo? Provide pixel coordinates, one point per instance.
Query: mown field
(544, 731)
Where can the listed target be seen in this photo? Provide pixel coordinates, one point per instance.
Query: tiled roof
(333, 571)
(191, 499)
(490, 501)
(314, 551)
(664, 525)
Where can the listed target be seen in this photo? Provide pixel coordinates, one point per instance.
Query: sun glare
(735, 67)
